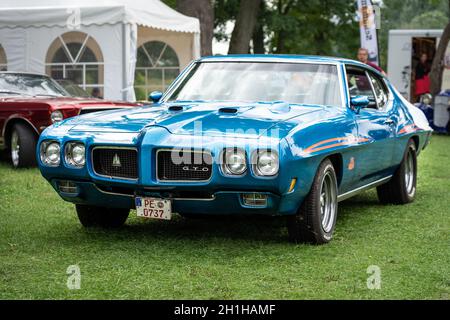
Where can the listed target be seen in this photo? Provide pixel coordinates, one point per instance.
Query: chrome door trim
(371, 185)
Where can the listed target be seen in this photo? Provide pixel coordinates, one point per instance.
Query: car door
(375, 125)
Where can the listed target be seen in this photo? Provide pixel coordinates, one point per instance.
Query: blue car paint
(363, 144)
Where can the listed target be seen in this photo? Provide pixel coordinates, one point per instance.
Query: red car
(29, 103)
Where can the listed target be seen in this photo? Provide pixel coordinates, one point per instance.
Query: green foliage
(314, 27)
(239, 258)
(171, 3)
(329, 27)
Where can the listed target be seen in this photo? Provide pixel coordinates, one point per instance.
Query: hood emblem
(116, 161)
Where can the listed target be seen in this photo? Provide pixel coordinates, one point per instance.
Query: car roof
(286, 58)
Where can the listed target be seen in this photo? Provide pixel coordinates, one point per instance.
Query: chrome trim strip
(134, 196)
(183, 181)
(371, 185)
(193, 199)
(113, 193)
(113, 148)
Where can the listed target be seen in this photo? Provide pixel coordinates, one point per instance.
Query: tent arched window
(156, 67)
(3, 60)
(76, 56)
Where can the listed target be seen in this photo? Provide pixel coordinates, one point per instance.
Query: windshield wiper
(14, 92)
(46, 95)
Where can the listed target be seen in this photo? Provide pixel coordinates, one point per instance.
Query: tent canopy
(50, 13)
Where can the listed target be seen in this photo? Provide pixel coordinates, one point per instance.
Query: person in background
(96, 93)
(422, 76)
(363, 56)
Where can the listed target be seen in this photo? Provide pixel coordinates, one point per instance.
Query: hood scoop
(176, 108)
(228, 110)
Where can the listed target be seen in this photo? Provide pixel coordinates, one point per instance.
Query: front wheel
(401, 189)
(22, 145)
(316, 219)
(91, 216)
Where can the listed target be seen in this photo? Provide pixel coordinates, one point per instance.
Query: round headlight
(57, 116)
(234, 162)
(50, 153)
(267, 163)
(75, 154)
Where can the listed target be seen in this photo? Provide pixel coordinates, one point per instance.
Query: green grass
(248, 258)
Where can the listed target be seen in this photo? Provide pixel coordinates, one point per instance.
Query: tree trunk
(437, 68)
(258, 40)
(245, 26)
(281, 42)
(203, 10)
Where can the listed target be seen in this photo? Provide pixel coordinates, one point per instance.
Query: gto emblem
(116, 161)
(196, 169)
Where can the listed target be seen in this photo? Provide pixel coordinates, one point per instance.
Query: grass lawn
(247, 258)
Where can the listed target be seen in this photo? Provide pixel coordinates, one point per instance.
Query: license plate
(154, 208)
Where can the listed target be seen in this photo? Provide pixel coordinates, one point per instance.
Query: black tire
(308, 224)
(91, 216)
(22, 146)
(401, 189)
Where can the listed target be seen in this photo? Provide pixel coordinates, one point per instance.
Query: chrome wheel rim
(409, 172)
(328, 202)
(15, 148)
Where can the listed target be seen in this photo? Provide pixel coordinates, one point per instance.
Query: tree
(203, 10)
(245, 26)
(314, 27)
(437, 68)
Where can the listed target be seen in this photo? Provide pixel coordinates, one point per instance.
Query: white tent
(97, 42)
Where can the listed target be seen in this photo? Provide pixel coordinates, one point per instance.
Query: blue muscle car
(274, 135)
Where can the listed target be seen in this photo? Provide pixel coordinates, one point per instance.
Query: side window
(381, 93)
(359, 84)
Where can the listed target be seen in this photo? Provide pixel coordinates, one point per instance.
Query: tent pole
(125, 63)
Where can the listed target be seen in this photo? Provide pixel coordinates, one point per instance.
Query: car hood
(212, 119)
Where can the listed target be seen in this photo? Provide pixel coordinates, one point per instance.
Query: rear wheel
(315, 221)
(22, 146)
(91, 216)
(401, 189)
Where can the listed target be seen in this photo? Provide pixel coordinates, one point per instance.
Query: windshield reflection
(299, 83)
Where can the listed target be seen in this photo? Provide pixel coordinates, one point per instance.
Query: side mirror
(155, 96)
(359, 102)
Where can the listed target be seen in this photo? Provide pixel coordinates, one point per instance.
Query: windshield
(300, 83)
(73, 89)
(30, 85)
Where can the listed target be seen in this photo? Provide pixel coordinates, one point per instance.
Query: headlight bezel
(225, 165)
(256, 157)
(56, 116)
(43, 153)
(69, 157)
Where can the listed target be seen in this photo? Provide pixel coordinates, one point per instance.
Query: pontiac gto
(274, 135)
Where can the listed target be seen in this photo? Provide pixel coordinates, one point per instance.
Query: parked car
(29, 103)
(274, 135)
(73, 89)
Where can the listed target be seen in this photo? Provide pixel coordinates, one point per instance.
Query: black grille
(119, 163)
(183, 166)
